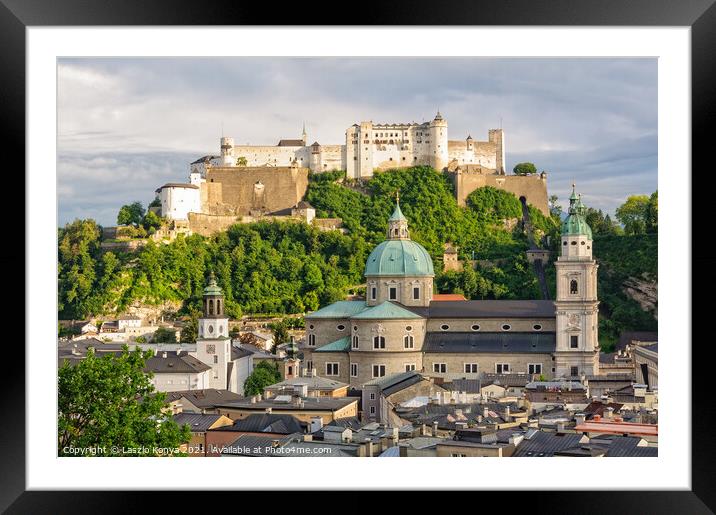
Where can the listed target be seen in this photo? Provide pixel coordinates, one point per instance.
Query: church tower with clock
(213, 345)
(577, 318)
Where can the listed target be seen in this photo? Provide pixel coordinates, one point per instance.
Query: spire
(397, 223)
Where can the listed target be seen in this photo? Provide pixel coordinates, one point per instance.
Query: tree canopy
(264, 374)
(131, 214)
(524, 169)
(639, 214)
(109, 402)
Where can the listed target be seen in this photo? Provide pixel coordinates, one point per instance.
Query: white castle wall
(179, 201)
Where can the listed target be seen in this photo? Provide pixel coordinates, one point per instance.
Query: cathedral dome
(576, 223)
(399, 257)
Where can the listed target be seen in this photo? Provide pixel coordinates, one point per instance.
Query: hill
(286, 268)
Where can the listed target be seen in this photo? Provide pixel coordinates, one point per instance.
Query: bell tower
(213, 346)
(577, 350)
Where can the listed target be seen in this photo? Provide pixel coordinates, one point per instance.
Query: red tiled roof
(448, 296)
(619, 428)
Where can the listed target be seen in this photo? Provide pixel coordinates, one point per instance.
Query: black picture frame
(700, 15)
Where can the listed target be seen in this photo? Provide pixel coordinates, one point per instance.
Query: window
(574, 243)
(354, 369)
(372, 410)
(309, 365)
(409, 367)
(502, 368)
(408, 327)
(440, 368)
(408, 341)
(393, 291)
(416, 292)
(564, 243)
(534, 368)
(574, 371)
(537, 327)
(444, 327)
(574, 341)
(378, 370)
(471, 368)
(216, 358)
(341, 327)
(355, 327)
(331, 369)
(310, 326)
(458, 455)
(211, 329)
(379, 342)
(506, 327)
(475, 327)
(372, 396)
(354, 342)
(311, 340)
(573, 287)
(373, 293)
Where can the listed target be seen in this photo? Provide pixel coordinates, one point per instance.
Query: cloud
(126, 124)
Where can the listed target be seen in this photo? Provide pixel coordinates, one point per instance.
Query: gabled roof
(340, 309)
(342, 345)
(266, 423)
(197, 422)
(175, 364)
(543, 444)
(385, 310)
(206, 398)
(391, 380)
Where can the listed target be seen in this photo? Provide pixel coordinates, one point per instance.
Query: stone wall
(243, 190)
(486, 362)
(206, 225)
(532, 187)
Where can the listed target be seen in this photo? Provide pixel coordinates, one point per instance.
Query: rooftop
(488, 309)
(385, 310)
(206, 398)
(280, 404)
(266, 423)
(313, 383)
(340, 309)
(342, 345)
(173, 364)
(197, 422)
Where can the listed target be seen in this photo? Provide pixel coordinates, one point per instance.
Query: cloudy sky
(127, 126)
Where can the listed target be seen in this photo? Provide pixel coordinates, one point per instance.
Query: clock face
(211, 349)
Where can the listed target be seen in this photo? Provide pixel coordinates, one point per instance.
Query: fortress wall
(263, 155)
(206, 225)
(532, 187)
(284, 187)
(333, 157)
(484, 153)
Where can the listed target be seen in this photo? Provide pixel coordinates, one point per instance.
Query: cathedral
(403, 326)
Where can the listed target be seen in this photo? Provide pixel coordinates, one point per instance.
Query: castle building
(400, 327)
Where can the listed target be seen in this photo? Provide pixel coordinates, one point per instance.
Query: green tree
(241, 161)
(131, 214)
(634, 214)
(524, 169)
(151, 222)
(110, 402)
(280, 332)
(264, 374)
(164, 335)
(652, 213)
(190, 331)
(554, 208)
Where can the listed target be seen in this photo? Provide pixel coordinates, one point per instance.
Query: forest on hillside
(289, 268)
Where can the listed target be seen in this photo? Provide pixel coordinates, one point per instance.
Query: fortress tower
(577, 346)
(439, 142)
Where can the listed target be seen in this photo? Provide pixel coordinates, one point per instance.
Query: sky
(128, 125)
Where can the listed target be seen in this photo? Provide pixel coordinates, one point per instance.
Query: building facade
(400, 328)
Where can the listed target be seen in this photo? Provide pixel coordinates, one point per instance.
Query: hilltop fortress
(249, 182)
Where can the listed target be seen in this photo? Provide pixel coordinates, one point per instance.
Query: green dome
(399, 257)
(576, 225)
(212, 288)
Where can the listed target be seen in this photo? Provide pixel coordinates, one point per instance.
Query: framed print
(429, 239)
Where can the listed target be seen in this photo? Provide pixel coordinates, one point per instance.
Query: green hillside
(285, 268)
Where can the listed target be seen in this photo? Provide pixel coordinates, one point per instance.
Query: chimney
(314, 372)
(164, 354)
(369, 447)
(508, 416)
(608, 413)
(423, 430)
(435, 428)
(485, 412)
(560, 427)
(275, 443)
(316, 424)
(580, 418)
(253, 399)
(268, 411)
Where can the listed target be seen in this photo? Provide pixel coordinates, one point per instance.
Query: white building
(178, 200)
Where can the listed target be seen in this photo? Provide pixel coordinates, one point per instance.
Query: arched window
(218, 306)
(573, 289)
(408, 341)
(379, 342)
(211, 306)
(354, 343)
(311, 340)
